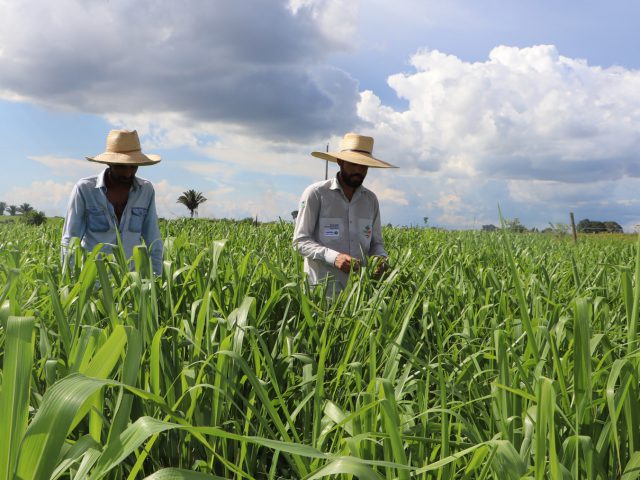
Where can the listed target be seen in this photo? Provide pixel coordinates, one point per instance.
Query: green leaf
(14, 396)
(46, 434)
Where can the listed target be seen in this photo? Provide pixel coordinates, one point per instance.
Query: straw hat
(123, 148)
(355, 148)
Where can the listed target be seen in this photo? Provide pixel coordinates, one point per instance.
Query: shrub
(34, 217)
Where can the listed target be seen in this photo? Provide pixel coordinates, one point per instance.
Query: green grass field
(488, 356)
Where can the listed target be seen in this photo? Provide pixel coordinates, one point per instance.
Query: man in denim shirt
(116, 200)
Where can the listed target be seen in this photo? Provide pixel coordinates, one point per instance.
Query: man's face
(123, 173)
(352, 174)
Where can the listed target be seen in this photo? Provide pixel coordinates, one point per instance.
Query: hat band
(126, 151)
(354, 150)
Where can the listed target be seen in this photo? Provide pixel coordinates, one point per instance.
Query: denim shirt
(91, 217)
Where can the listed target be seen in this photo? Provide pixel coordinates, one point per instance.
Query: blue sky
(532, 105)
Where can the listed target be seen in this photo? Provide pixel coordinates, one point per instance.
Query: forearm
(309, 248)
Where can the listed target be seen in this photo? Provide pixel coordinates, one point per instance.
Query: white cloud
(231, 151)
(63, 165)
(544, 192)
(385, 192)
(525, 113)
(337, 19)
(49, 196)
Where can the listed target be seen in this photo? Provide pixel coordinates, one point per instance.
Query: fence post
(326, 166)
(573, 228)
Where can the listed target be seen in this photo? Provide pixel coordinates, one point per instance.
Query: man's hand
(381, 266)
(347, 263)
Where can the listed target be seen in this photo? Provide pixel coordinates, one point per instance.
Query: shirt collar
(102, 184)
(335, 185)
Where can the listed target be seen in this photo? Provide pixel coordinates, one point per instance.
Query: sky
(532, 106)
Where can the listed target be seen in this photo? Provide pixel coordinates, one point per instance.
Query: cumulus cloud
(49, 196)
(260, 69)
(545, 192)
(386, 192)
(524, 113)
(61, 166)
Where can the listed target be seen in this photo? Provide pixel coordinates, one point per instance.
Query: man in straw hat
(116, 202)
(338, 224)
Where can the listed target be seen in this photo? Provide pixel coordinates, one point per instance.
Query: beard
(121, 179)
(354, 180)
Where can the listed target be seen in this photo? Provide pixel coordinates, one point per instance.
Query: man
(116, 200)
(338, 224)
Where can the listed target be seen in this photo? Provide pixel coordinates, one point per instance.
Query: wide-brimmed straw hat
(123, 148)
(355, 148)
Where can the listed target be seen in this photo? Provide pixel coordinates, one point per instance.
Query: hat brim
(354, 157)
(134, 158)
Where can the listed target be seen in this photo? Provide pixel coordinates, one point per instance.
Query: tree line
(193, 199)
(584, 226)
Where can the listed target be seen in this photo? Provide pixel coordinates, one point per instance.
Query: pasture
(478, 355)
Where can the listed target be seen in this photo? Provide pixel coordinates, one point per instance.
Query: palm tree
(12, 210)
(3, 207)
(25, 208)
(191, 199)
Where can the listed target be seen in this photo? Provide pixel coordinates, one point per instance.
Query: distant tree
(590, 226)
(559, 229)
(3, 207)
(613, 227)
(12, 210)
(192, 200)
(514, 225)
(34, 217)
(425, 221)
(294, 214)
(25, 208)
(489, 228)
(596, 226)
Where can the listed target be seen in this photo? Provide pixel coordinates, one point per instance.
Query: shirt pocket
(365, 231)
(138, 214)
(97, 220)
(331, 230)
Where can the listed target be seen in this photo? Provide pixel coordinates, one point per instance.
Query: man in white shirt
(338, 225)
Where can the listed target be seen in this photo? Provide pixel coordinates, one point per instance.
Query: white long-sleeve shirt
(329, 224)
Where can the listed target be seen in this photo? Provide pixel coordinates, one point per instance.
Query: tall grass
(476, 356)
